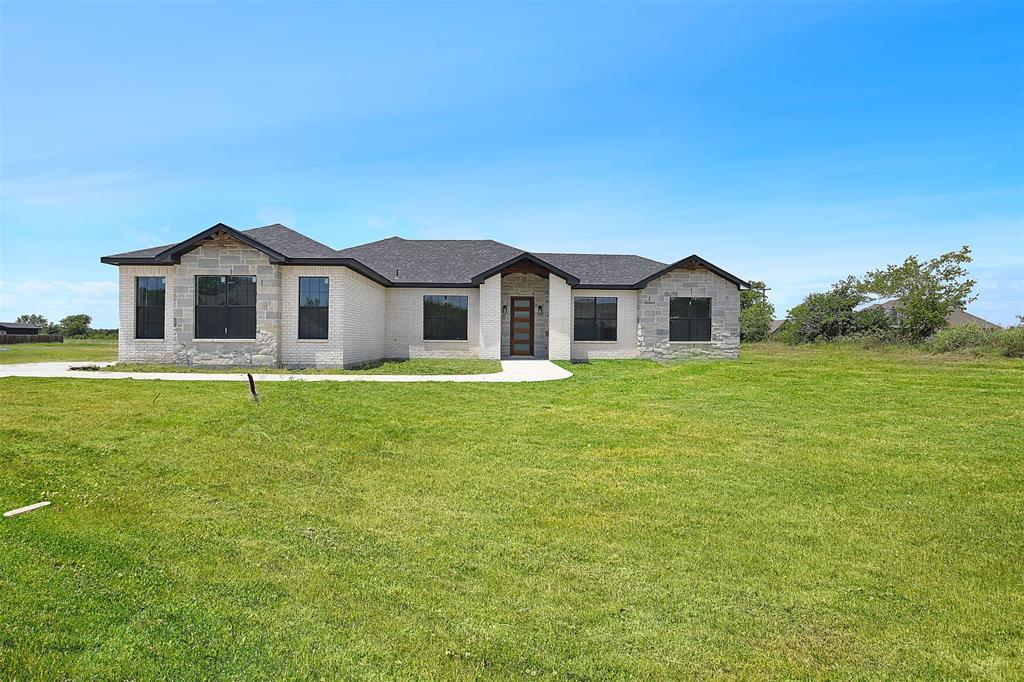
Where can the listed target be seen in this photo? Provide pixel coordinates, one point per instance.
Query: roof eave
(694, 259)
(479, 278)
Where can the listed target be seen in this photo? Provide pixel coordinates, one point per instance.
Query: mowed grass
(412, 366)
(71, 350)
(813, 513)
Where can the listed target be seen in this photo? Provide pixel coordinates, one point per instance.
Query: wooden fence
(7, 339)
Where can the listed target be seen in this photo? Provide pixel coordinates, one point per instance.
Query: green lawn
(799, 513)
(414, 366)
(71, 350)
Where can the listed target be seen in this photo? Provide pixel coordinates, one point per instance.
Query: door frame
(512, 320)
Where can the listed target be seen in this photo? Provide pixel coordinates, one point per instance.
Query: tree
(925, 292)
(37, 320)
(827, 316)
(75, 325)
(756, 312)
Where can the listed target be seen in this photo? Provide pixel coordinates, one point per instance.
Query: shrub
(960, 338)
(1011, 342)
(827, 316)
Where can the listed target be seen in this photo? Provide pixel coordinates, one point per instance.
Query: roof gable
(695, 261)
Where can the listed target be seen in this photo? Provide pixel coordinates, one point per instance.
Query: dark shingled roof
(18, 325)
(429, 262)
(595, 269)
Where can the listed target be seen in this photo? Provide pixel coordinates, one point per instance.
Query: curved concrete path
(511, 371)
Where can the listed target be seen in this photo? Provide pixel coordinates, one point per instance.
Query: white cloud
(59, 298)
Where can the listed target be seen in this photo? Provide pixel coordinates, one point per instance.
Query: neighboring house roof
(19, 325)
(956, 318)
(427, 262)
(775, 326)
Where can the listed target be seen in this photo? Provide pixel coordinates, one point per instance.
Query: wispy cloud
(58, 298)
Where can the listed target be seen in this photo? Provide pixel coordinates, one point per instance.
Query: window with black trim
(689, 319)
(445, 318)
(149, 307)
(225, 307)
(313, 303)
(595, 318)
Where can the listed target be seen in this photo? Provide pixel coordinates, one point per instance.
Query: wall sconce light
(504, 310)
(540, 310)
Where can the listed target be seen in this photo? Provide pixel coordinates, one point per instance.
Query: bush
(1011, 342)
(755, 321)
(964, 337)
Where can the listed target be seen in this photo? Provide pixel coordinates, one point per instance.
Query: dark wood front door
(520, 336)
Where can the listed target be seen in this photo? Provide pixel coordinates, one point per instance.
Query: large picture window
(445, 318)
(689, 319)
(225, 307)
(149, 307)
(313, 303)
(595, 318)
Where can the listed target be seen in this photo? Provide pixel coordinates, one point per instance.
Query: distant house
(957, 318)
(271, 296)
(18, 328)
(775, 326)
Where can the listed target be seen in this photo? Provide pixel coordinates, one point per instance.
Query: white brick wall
(130, 349)
(560, 318)
(490, 318)
(625, 344)
(363, 319)
(404, 327)
(296, 352)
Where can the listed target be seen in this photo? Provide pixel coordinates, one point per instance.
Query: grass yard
(71, 350)
(799, 513)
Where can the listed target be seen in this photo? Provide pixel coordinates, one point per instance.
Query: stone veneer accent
(178, 345)
(653, 330)
(522, 284)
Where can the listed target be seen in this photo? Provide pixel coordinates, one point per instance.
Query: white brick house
(271, 296)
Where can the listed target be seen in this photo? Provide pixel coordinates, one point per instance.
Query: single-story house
(19, 328)
(271, 296)
(956, 318)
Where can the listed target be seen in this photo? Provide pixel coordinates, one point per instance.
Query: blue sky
(794, 143)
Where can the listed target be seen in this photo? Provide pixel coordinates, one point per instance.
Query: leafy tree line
(923, 294)
(72, 326)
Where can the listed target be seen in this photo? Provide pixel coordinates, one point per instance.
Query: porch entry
(521, 330)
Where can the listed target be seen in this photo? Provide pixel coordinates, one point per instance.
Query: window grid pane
(595, 318)
(314, 301)
(445, 318)
(149, 307)
(689, 319)
(225, 307)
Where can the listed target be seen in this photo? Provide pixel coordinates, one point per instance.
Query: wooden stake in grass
(22, 510)
(252, 389)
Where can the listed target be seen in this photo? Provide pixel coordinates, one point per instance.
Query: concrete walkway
(511, 371)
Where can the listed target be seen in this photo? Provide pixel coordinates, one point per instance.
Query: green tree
(925, 292)
(756, 312)
(37, 320)
(75, 325)
(827, 316)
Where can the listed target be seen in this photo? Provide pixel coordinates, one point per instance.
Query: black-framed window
(149, 307)
(225, 307)
(313, 303)
(445, 318)
(595, 318)
(689, 319)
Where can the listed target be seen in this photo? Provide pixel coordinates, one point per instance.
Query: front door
(521, 332)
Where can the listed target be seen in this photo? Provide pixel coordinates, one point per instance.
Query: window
(313, 299)
(149, 307)
(225, 307)
(689, 319)
(595, 318)
(445, 318)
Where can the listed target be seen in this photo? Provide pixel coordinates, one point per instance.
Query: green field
(820, 512)
(71, 350)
